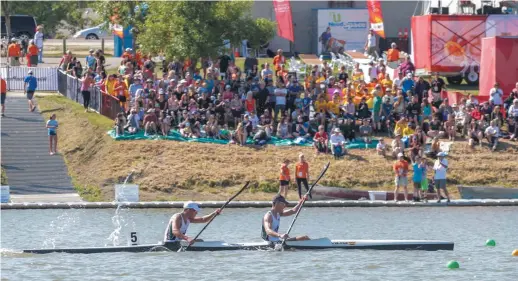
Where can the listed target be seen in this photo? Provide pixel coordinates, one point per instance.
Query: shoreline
(258, 204)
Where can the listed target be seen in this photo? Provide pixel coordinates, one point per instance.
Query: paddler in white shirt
(179, 223)
(272, 220)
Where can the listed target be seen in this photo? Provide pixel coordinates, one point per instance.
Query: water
(467, 227)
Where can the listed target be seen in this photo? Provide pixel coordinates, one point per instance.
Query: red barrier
(110, 105)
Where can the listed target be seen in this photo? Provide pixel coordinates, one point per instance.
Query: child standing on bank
(284, 178)
(52, 126)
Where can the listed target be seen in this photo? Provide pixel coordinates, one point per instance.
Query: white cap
(191, 205)
(336, 130)
(30, 72)
(400, 154)
(442, 154)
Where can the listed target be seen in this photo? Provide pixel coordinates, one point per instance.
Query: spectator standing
(284, 178)
(370, 45)
(279, 60)
(86, 82)
(401, 170)
(437, 86)
(3, 93)
(90, 60)
(496, 94)
(52, 126)
(14, 52)
(30, 86)
(419, 168)
(280, 99)
(302, 175)
(38, 41)
(324, 39)
(32, 54)
(441, 167)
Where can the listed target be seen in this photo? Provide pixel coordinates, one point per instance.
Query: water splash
(65, 223)
(119, 220)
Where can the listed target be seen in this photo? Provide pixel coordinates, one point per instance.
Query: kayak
(314, 244)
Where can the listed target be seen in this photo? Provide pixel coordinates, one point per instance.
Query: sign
(5, 195)
(376, 17)
(126, 193)
(47, 77)
(342, 29)
(284, 20)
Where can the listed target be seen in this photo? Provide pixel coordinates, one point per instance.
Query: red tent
(499, 63)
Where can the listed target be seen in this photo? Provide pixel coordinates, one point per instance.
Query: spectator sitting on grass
(150, 123)
(283, 128)
(347, 128)
(320, 140)
(475, 133)
(397, 145)
(301, 129)
(338, 143)
(493, 133)
(513, 117)
(363, 109)
(449, 127)
(212, 127)
(381, 147)
(133, 124)
(436, 128)
(366, 131)
(120, 123)
(165, 123)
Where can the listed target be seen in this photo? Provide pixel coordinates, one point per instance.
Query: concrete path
(25, 156)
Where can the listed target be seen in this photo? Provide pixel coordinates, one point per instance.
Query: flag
(118, 30)
(284, 21)
(376, 17)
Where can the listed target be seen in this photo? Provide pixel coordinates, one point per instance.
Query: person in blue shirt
(90, 60)
(52, 126)
(29, 87)
(196, 76)
(133, 88)
(407, 84)
(419, 167)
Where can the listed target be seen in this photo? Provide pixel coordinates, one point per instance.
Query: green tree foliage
(52, 14)
(197, 29)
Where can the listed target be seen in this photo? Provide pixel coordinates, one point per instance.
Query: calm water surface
(467, 227)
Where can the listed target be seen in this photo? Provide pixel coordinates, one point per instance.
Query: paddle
(222, 207)
(303, 201)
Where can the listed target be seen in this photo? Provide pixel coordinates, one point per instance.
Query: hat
(91, 51)
(183, 81)
(279, 198)
(30, 72)
(454, 105)
(336, 91)
(149, 80)
(336, 130)
(400, 155)
(442, 154)
(228, 87)
(409, 75)
(191, 205)
(151, 110)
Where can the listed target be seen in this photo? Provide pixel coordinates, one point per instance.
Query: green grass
(87, 192)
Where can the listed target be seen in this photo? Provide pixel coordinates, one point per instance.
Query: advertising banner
(342, 30)
(502, 25)
(284, 21)
(47, 77)
(376, 17)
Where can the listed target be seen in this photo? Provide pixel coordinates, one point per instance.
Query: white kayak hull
(315, 244)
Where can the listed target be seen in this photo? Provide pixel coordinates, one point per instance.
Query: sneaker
(448, 201)
(439, 201)
(51, 153)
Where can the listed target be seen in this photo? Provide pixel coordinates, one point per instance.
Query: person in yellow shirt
(408, 131)
(400, 126)
(110, 84)
(386, 83)
(321, 104)
(333, 107)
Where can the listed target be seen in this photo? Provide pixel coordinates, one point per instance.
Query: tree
(52, 14)
(192, 29)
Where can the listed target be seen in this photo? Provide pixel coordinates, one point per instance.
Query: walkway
(32, 173)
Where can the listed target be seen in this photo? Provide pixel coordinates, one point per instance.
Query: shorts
(30, 95)
(375, 117)
(284, 183)
(236, 113)
(2, 99)
(52, 133)
(424, 185)
(440, 184)
(401, 181)
(417, 185)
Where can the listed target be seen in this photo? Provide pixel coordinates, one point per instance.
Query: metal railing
(103, 103)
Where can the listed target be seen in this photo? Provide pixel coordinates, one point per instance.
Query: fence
(14, 75)
(101, 102)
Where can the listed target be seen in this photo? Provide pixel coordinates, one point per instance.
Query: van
(22, 27)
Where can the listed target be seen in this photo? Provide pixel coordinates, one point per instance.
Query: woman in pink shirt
(86, 82)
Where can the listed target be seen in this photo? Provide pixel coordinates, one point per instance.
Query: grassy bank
(3, 180)
(169, 170)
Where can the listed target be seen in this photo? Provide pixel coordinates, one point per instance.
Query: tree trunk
(7, 15)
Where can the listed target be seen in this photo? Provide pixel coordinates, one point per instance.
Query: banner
(46, 76)
(118, 30)
(284, 21)
(376, 17)
(342, 30)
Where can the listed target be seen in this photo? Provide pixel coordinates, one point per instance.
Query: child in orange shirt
(284, 178)
(121, 89)
(31, 51)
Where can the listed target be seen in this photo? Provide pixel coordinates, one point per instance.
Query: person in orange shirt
(393, 53)
(127, 54)
(121, 91)
(14, 52)
(401, 170)
(302, 175)
(3, 92)
(278, 60)
(32, 51)
(284, 178)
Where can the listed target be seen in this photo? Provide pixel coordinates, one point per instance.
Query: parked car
(93, 33)
(22, 27)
